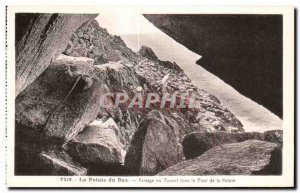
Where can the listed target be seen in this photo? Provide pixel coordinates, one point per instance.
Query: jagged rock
(155, 146)
(147, 52)
(209, 113)
(242, 66)
(50, 106)
(251, 157)
(134, 70)
(60, 163)
(97, 144)
(92, 41)
(195, 144)
(170, 65)
(121, 77)
(40, 38)
(128, 122)
(274, 136)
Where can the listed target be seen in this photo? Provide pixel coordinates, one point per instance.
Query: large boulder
(155, 146)
(63, 100)
(99, 143)
(195, 144)
(41, 38)
(251, 157)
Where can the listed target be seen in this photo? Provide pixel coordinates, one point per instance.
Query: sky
(121, 23)
(136, 31)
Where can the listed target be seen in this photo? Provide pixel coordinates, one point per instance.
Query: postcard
(161, 97)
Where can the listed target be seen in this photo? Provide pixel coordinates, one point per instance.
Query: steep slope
(254, 117)
(150, 71)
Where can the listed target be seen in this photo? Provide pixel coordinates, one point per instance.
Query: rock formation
(56, 104)
(195, 144)
(129, 71)
(92, 41)
(147, 52)
(62, 125)
(251, 157)
(209, 114)
(55, 108)
(243, 50)
(37, 155)
(145, 155)
(41, 38)
(97, 143)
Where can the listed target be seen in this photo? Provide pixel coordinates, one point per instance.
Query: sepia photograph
(140, 97)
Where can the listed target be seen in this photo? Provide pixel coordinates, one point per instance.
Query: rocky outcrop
(243, 50)
(60, 164)
(143, 70)
(121, 77)
(62, 111)
(195, 144)
(99, 143)
(41, 38)
(207, 113)
(63, 100)
(114, 63)
(155, 146)
(251, 157)
(99, 147)
(147, 52)
(274, 136)
(92, 41)
(123, 70)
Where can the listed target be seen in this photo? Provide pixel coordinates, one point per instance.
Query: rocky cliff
(63, 126)
(243, 50)
(143, 70)
(40, 38)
